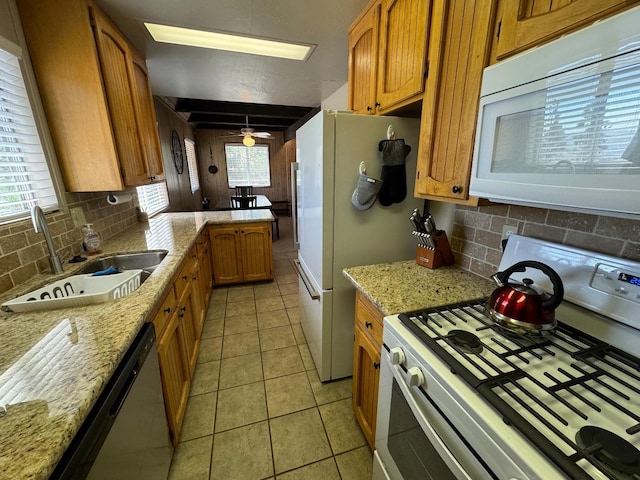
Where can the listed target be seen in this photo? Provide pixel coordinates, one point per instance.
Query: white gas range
(462, 398)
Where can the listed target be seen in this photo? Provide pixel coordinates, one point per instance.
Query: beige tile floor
(257, 409)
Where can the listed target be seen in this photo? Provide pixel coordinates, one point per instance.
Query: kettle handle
(558, 289)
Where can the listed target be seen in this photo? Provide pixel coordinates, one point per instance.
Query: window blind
(192, 165)
(25, 180)
(247, 165)
(153, 198)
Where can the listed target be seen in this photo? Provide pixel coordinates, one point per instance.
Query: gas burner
(531, 341)
(609, 451)
(464, 342)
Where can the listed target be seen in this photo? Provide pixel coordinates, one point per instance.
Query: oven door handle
(446, 455)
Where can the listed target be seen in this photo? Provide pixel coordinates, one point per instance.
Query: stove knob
(416, 377)
(397, 356)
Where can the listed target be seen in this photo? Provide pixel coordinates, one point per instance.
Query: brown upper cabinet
(527, 23)
(460, 43)
(95, 91)
(387, 55)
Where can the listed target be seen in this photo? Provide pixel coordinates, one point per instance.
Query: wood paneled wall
(210, 151)
(180, 197)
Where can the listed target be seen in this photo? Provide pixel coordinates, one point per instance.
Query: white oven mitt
(366, 191)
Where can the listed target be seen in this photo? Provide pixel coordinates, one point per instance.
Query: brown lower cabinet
(178, 324)
(366, 366)
(241, 253)
(174, 371)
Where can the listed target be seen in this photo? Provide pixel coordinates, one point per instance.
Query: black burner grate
(511, 374)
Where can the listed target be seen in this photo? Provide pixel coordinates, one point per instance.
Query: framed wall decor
(176, 151)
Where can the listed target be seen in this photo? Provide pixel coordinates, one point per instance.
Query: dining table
(249, 202)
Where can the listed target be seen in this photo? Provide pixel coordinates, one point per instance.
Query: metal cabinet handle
(376, 365)
(456, 189)
(167, 310)
(184, 277)
(368, 324)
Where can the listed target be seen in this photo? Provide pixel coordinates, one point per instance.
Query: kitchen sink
(146, 261)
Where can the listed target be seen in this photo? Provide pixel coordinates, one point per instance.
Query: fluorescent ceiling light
(228, 42)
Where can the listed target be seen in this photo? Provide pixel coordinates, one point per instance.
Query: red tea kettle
(523, 308)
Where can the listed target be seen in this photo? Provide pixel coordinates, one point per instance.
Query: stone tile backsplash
(23, 253)
(477, 232)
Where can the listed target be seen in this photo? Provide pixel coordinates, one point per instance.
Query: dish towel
(394, 172)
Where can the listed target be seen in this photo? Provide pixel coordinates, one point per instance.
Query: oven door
(413, 438)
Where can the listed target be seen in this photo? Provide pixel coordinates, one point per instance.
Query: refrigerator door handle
(303, 276)
(294, 203)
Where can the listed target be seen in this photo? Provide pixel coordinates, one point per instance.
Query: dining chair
(244, 190)
(243, 202)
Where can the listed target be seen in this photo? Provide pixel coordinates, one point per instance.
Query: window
(25, 179)
(153, 198)
(192, 165)
(247, 165)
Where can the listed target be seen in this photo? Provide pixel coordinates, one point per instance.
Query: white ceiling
(189, 72)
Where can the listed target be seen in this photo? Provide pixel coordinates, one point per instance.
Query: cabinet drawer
(369, 318)
(202, 243)
(161, 319)
(183, 279)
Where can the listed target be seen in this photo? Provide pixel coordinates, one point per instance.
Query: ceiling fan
(248, 134)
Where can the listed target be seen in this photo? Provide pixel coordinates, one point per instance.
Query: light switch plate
(77, 214)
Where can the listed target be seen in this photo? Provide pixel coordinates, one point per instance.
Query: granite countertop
(405, 286)
(54, 364)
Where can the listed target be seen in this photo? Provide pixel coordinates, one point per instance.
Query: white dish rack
(77, 291)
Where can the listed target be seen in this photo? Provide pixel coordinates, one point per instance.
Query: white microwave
(559, 125)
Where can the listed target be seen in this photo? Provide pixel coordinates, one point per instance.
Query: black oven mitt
(394, 172)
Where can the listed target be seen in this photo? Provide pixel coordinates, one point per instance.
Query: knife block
(436, 257)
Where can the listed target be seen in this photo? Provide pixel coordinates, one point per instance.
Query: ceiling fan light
(248, 141)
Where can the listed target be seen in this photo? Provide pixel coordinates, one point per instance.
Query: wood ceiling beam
(237, 108)
(239, 121)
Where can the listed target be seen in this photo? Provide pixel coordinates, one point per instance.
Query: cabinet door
(162, 318)
(226, 255)
(527, 23)
(197, 299)
(146, 117)
(257, 254)
(404, 28)
(206, 275)
(366, 376)
(77, 112)
(363, 56)
(174, 369)
(450, 104)
(189, 323)
(117, 73)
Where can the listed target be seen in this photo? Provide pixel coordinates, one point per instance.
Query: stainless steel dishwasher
(125, 436)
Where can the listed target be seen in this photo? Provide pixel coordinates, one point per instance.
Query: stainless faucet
(40, 225)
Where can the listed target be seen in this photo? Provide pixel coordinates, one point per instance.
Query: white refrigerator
(332, 235)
